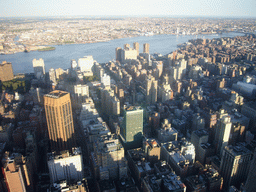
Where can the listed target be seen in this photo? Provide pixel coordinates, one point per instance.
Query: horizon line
(131, 16)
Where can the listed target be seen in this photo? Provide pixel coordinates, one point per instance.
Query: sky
(219, 8)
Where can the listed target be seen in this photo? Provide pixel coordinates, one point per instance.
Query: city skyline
(198, 8)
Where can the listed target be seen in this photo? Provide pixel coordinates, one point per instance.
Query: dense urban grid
(185, 121)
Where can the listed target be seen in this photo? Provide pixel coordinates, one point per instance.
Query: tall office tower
(250, 184)
(183, 65)
(66, 166)
(110, 104)
(118, 54)
(73, 64)
(39, 66)
(108, 158)
(52, 76)
(59, 120)
(132, 126)
(173, 74)
(6, 73)
(98, 70)
(126, 46)
(235, 164)
(158, 68)
(86, 64)
(197, 138)
(151, 90)
(222, 131)
(137, 47)
(145, 48)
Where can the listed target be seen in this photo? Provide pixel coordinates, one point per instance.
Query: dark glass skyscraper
(132, 128)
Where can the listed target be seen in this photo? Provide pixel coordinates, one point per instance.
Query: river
(102, 52)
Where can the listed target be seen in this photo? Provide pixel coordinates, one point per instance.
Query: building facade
(234, 165)
(6, 72)
(39, 68)
(59, 120)
(132, 127)
(66, 166)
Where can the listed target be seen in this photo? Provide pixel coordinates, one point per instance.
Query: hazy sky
(233, 8)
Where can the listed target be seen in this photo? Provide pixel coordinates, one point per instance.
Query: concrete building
(86, 64)
(52, 76)
(6, 72)
(66, 166)
(128, 54)
(250, 184)
(145, 48)
(108, 158)
(222, 131)
(59, 118)
(198, 137)
(105, 80)
(152, 150)
(167, 133)
(118, 54)
(39, 68)
(151, 90)
(110, 104)
(235, 163)
(136, 47)
(63, 185)
(14, 179)
(166, 92)
(81, 92)
(73, 64)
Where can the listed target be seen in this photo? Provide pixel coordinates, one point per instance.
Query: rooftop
(238, 149)
(56, 94)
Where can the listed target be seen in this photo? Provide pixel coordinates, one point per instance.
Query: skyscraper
(39, 68)
(151, 90)
(59, 120)
(52, 76)
(136, 46)
(118, 54)
(222, 131)
(234, 165)
(250, 184)
(132, 128)
(145, 48)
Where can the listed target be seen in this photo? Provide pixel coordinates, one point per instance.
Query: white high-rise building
(39, 68)
(52, 76)
(81, 92)
(222, 131)
(73, 64)
(105, 80)
(66, 166)
(86, 64)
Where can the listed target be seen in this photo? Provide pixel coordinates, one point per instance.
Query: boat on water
(26, 50)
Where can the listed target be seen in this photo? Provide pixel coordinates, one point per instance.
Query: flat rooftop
(56, 94)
